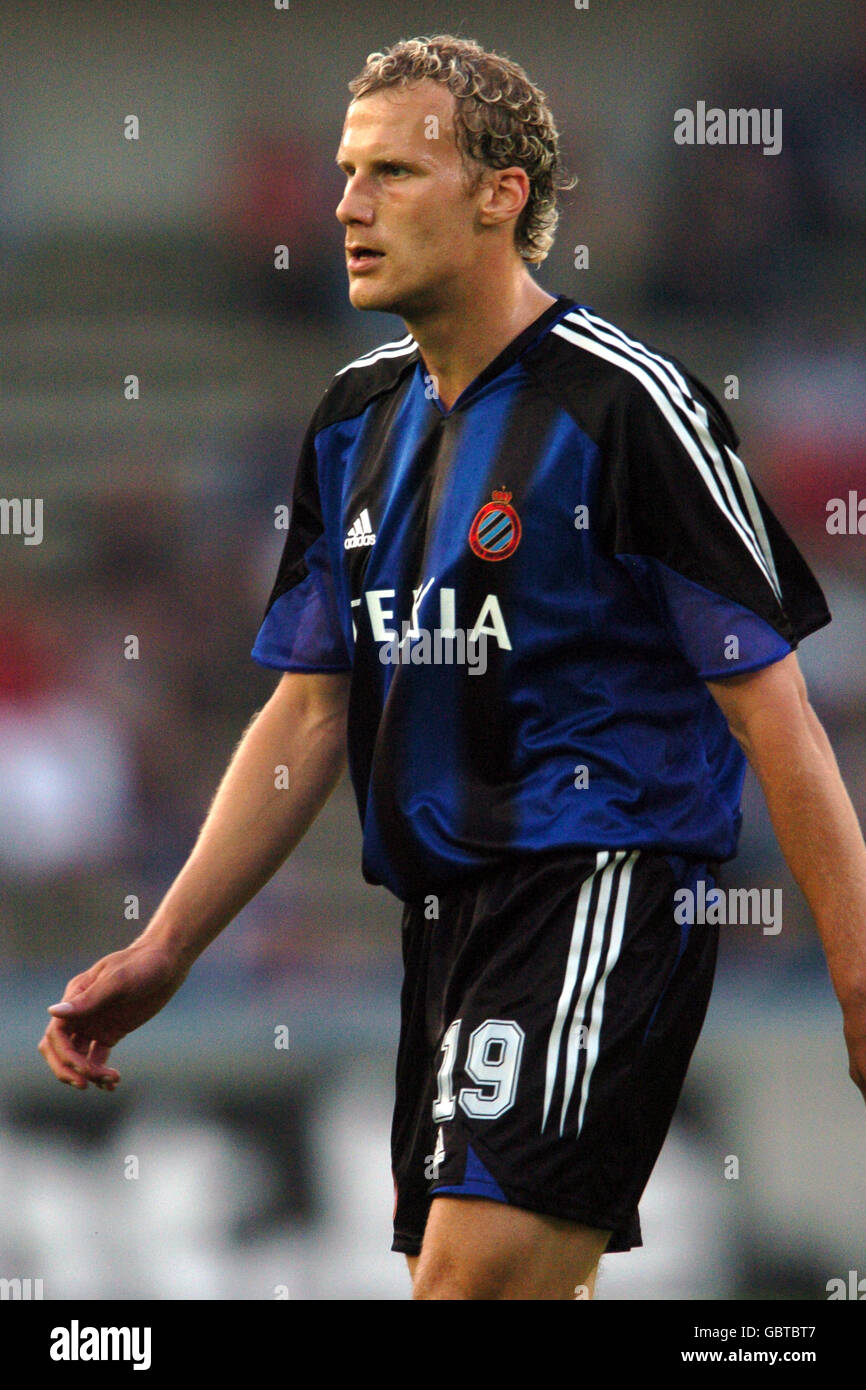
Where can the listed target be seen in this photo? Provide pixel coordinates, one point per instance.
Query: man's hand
(99, 1007)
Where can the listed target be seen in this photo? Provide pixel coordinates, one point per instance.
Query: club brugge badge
(495, 532)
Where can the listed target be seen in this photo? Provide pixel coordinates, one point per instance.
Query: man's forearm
(818, 833)
(285, 767)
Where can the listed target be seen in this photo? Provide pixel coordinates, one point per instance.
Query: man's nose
(354, 206)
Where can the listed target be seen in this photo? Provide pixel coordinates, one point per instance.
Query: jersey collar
(536, 330)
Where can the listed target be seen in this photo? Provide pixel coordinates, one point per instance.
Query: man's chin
(364, 295)
(410, 303)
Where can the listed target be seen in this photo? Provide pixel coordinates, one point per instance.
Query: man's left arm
(769, 713)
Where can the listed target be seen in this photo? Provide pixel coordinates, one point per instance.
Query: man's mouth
(361, 257)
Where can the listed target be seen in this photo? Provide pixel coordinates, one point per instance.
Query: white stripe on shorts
(592, 981)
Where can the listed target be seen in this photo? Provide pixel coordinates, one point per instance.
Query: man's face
(405, 198)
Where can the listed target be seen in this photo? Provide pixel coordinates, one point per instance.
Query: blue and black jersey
(530, 590)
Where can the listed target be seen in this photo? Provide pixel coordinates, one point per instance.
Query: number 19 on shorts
(492, 1060)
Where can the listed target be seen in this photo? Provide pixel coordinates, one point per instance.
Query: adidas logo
(360, 532)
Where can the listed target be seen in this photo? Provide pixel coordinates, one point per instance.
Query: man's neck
(462, 339)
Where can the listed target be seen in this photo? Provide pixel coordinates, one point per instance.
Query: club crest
(495, 531)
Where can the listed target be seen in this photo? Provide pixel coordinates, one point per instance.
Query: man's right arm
(284, 769)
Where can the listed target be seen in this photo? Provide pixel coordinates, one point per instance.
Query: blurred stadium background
(263, 1171)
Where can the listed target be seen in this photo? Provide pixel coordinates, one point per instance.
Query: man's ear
(503, 195)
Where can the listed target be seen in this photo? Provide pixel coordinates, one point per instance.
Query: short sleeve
(694, 532)
(301, 628)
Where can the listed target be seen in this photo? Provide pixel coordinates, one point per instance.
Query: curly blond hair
(500, 119)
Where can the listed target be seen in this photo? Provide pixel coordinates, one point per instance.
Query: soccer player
(529, 585)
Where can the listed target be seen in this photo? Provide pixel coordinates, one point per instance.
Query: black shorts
(549, 1013)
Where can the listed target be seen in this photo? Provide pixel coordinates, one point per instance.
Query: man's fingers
(63, 1045)
(76, 1058)
(99, 1055)
(102, 1075)
(62, 1067)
